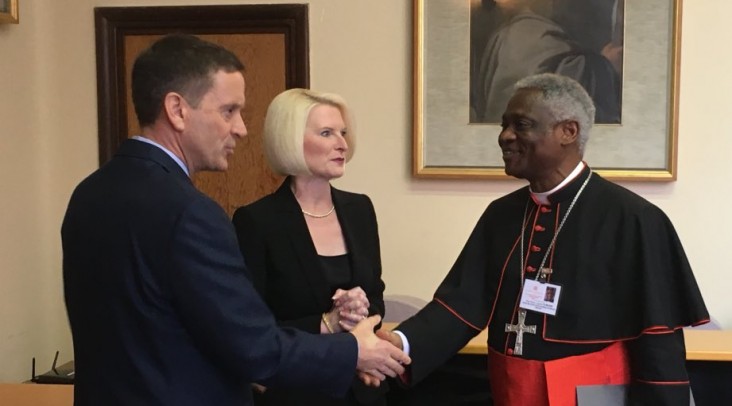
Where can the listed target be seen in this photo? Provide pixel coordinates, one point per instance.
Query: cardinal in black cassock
(620, 287)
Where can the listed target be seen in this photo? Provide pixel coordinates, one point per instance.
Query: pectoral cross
(520, 328)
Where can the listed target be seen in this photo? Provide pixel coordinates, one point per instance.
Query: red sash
(520, 382)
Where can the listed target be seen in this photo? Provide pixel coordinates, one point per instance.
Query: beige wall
(361, 49)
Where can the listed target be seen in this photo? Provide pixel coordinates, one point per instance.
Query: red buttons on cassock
(545, 209)
(509, 351)
(530, 269)
(535, 248)
(539, 228)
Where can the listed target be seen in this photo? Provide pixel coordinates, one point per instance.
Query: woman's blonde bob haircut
(284, 128)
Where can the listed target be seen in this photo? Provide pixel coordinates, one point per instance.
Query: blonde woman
(313, 250)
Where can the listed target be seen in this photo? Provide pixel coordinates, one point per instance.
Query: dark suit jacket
(161, 306)
(286, 270)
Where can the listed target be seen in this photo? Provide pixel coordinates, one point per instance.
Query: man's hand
(260, 388)
(369, 379)
(372, 378)
(377, 358)
(391, 337)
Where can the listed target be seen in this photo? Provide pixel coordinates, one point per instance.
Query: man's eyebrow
(234, 105)
(514, 115)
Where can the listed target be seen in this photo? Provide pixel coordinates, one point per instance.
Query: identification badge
(540, 297)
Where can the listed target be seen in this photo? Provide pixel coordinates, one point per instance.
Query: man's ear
(175, 107)
(570, 132)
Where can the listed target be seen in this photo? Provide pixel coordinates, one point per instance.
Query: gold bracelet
(327, 325)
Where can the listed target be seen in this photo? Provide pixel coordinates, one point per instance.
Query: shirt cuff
(405, 342)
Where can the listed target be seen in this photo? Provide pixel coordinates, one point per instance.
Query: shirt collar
(543, 197)
(167, 151)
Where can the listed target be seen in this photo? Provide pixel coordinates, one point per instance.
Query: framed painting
(270, 39)
(9, 11)
(469, 53)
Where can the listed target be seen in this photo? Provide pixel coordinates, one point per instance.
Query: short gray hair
(284, 128)
(566, 98)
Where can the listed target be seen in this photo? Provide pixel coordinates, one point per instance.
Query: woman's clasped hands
(349, 308)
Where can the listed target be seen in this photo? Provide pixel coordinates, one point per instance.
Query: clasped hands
(349, 308)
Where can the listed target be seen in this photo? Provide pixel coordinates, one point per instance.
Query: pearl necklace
(318, 216)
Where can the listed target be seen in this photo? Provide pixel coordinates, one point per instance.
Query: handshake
(379, 354)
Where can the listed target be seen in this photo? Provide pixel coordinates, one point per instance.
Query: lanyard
(556, 233)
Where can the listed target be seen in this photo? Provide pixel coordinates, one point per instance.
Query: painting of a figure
(511, 39)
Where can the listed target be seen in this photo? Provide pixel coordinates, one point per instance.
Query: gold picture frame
(9, 11)
(642, 147)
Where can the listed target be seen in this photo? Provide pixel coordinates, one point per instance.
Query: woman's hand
(352, 306)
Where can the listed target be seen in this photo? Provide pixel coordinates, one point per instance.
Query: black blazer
(286, 269)
(161, 307)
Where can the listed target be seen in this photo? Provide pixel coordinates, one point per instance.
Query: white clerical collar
(167, 151)
(543, 197)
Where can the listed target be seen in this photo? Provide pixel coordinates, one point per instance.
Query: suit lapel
(353, 229)
(305, 255)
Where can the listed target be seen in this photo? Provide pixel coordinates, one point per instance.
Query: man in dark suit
(160, 302)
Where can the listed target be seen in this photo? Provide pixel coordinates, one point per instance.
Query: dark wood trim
(114, 23)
